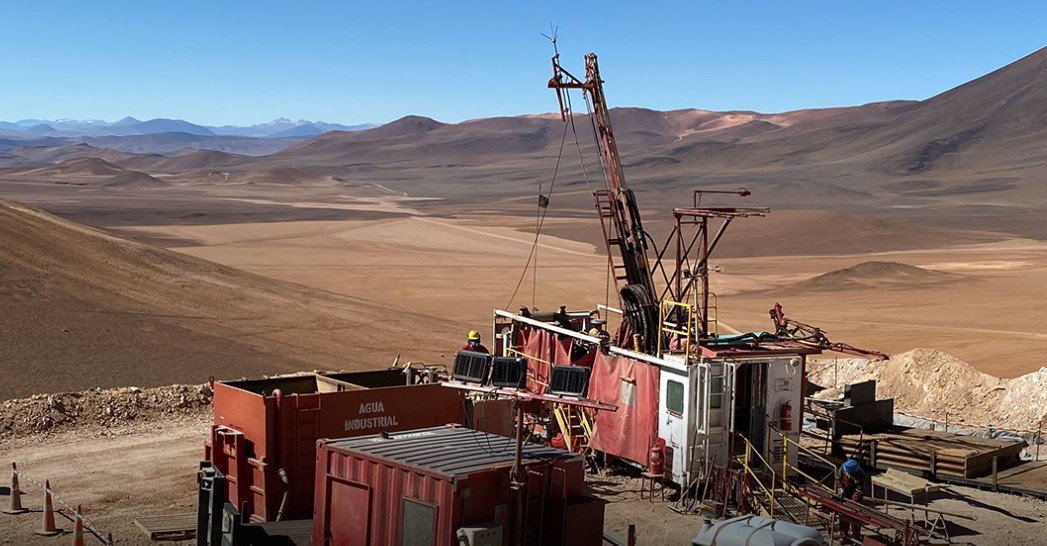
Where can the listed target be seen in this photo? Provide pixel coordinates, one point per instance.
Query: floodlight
(569, 380)
(509, 372)
(471, 367)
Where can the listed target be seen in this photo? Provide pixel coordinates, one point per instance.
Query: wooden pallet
(168, 527)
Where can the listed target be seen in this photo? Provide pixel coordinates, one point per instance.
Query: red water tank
(656, 458)
(785, 421)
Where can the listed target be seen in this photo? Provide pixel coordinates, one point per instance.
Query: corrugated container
(265, 425)
(419, 488)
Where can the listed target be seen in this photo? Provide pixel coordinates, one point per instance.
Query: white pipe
(577, 335)
(546, 326)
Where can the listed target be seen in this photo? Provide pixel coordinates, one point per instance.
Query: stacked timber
(933, 452)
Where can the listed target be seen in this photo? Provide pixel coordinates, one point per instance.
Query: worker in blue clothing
(851, 485)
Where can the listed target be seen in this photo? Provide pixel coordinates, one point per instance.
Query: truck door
(674, 414)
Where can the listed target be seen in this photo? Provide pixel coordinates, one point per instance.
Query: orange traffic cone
(16, 493)
(48, 528)
(78, 528)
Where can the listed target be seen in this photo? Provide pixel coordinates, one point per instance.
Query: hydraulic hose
(287, 494)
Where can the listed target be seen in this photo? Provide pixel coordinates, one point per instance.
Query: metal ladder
(607, 208)
(575, 425)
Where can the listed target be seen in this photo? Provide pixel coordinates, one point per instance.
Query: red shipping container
(421, 487)
(264, 426)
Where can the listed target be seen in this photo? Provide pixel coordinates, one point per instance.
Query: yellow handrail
(511, 351)
(786, 467)
(664, 328)
(565, 426)
(586, 419)
(749, 449)
(713, 314)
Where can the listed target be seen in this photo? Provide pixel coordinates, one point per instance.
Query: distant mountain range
(278, 128)
(973, 155)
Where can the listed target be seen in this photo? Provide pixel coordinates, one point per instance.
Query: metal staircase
(575, 424)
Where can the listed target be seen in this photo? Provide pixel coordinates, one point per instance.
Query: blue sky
(220, 62)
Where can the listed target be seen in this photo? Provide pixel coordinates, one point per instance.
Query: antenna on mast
(552, 36)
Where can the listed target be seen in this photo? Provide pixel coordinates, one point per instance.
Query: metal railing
(513, 351)
(759, 470)
(685, 331)
(748, 465)
(796, 470)
(711, 311)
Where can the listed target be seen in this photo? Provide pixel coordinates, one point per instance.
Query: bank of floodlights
(482, 369)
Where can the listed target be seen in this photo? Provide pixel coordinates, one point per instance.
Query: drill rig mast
(623, 230)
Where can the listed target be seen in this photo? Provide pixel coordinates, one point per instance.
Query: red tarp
(627, 433)
(633, 386)
(538, 346)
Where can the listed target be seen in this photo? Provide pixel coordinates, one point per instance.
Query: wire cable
(541, 221)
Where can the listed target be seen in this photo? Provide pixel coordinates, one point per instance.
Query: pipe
(595, 340)
(287, 494)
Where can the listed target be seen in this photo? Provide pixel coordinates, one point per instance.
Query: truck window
(674, 397)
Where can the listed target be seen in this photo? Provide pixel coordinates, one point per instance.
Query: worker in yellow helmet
(473, 343)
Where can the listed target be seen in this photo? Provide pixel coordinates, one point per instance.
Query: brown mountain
(85, 309)
(192, 159)
(939, 161)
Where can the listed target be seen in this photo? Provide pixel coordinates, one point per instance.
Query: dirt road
(146, 470)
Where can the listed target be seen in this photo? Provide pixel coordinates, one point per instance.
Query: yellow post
(565, 425)
(785, 459)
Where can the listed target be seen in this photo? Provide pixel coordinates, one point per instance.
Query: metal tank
(756, 531)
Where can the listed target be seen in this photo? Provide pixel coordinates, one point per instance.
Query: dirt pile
(931, 382)
(102, 412)
(874, 274)
(934, 384)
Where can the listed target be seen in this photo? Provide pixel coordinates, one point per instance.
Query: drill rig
(676, 381)
(624, 235)
(681, 262)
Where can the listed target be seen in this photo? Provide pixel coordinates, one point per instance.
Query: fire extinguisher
(785, 418)
(656, 457)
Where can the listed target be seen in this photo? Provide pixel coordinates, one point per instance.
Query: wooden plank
(955, 454)
(168, 527)
(904, 483)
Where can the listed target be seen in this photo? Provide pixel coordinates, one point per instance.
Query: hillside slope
(83, 309)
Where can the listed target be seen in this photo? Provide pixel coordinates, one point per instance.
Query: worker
(850, 486)
(598, 330)
(473, 343)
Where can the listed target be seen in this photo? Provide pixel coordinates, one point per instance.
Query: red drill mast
(623, 231)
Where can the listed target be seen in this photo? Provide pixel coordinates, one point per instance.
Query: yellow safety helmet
(474, 335)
